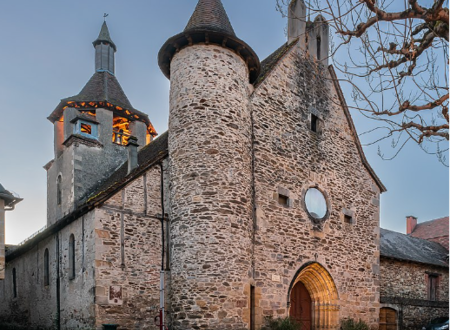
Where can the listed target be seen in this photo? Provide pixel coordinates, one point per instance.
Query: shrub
(285, 323)
(351, 324)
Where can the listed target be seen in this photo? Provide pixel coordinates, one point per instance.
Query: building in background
(414, 275)
(8, 202)
(436, 230)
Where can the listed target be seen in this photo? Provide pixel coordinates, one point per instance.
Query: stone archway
(323, 294)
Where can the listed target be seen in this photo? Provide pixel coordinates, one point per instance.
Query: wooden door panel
(301, 306)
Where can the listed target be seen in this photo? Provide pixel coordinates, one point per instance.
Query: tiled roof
(433, 230)
(104, 36)
(210, 15)
(404, 247)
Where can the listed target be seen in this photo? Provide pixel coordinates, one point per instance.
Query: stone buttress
(210, 71)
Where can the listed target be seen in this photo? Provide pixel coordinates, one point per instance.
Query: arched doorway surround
(323, 293)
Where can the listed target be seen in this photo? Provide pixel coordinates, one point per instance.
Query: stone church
(258, 201)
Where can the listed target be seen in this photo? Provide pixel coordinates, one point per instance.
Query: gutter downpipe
(162, 272)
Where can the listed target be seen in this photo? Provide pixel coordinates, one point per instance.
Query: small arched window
(58, 190)
(46, 268)
(14, 283)
(71, 257)
(388, 319)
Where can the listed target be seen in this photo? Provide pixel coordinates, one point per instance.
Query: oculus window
(316, 204)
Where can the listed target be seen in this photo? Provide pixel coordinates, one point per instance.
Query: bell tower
(210, 139)
(91, 132)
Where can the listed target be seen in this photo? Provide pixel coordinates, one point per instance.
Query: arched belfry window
(59, 190)
(46, 268)
(71, 257)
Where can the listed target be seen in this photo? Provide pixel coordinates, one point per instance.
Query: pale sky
(47, 54)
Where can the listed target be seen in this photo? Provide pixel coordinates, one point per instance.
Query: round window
(316, 204)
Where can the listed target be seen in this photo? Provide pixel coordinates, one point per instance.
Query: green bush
(351, 324)
(285, 323)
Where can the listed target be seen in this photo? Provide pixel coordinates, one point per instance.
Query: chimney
(297, 21)
(132, 153)
(411, 223)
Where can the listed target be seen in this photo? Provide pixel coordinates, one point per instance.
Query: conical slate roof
(209, 24)
(210, 15)
(105, 37)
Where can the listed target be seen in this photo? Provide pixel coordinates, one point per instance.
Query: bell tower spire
(104, 51)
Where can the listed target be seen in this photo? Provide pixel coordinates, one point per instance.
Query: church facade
(257, 202)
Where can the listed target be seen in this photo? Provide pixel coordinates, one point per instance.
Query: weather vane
(104, 16)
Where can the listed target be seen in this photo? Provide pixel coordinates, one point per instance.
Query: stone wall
(128, 255)
(289, 159)
(36, 304)
(211, 192)
(404, 288)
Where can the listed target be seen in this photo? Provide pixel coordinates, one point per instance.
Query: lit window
(121, 130)
(316, 204)
(86, 129)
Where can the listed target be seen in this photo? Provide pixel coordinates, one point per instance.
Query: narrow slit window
(314, 122)
(252, 307)
(319, 48)
(14, 283)
(71, 257)
(58, 190)
(46, 268)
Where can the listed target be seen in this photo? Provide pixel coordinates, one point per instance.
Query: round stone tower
(210, 141)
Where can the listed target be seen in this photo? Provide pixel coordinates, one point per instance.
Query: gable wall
(289, 157)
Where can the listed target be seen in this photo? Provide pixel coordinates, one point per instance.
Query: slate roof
(102, 87)
(104, 36)
(152, 152)
(209, 24)
(404, 247)
(432, 229)
(210, 15)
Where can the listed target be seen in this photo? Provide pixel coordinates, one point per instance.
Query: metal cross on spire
(104, 16)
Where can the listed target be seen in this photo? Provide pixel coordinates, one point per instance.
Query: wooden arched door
(301, 306)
